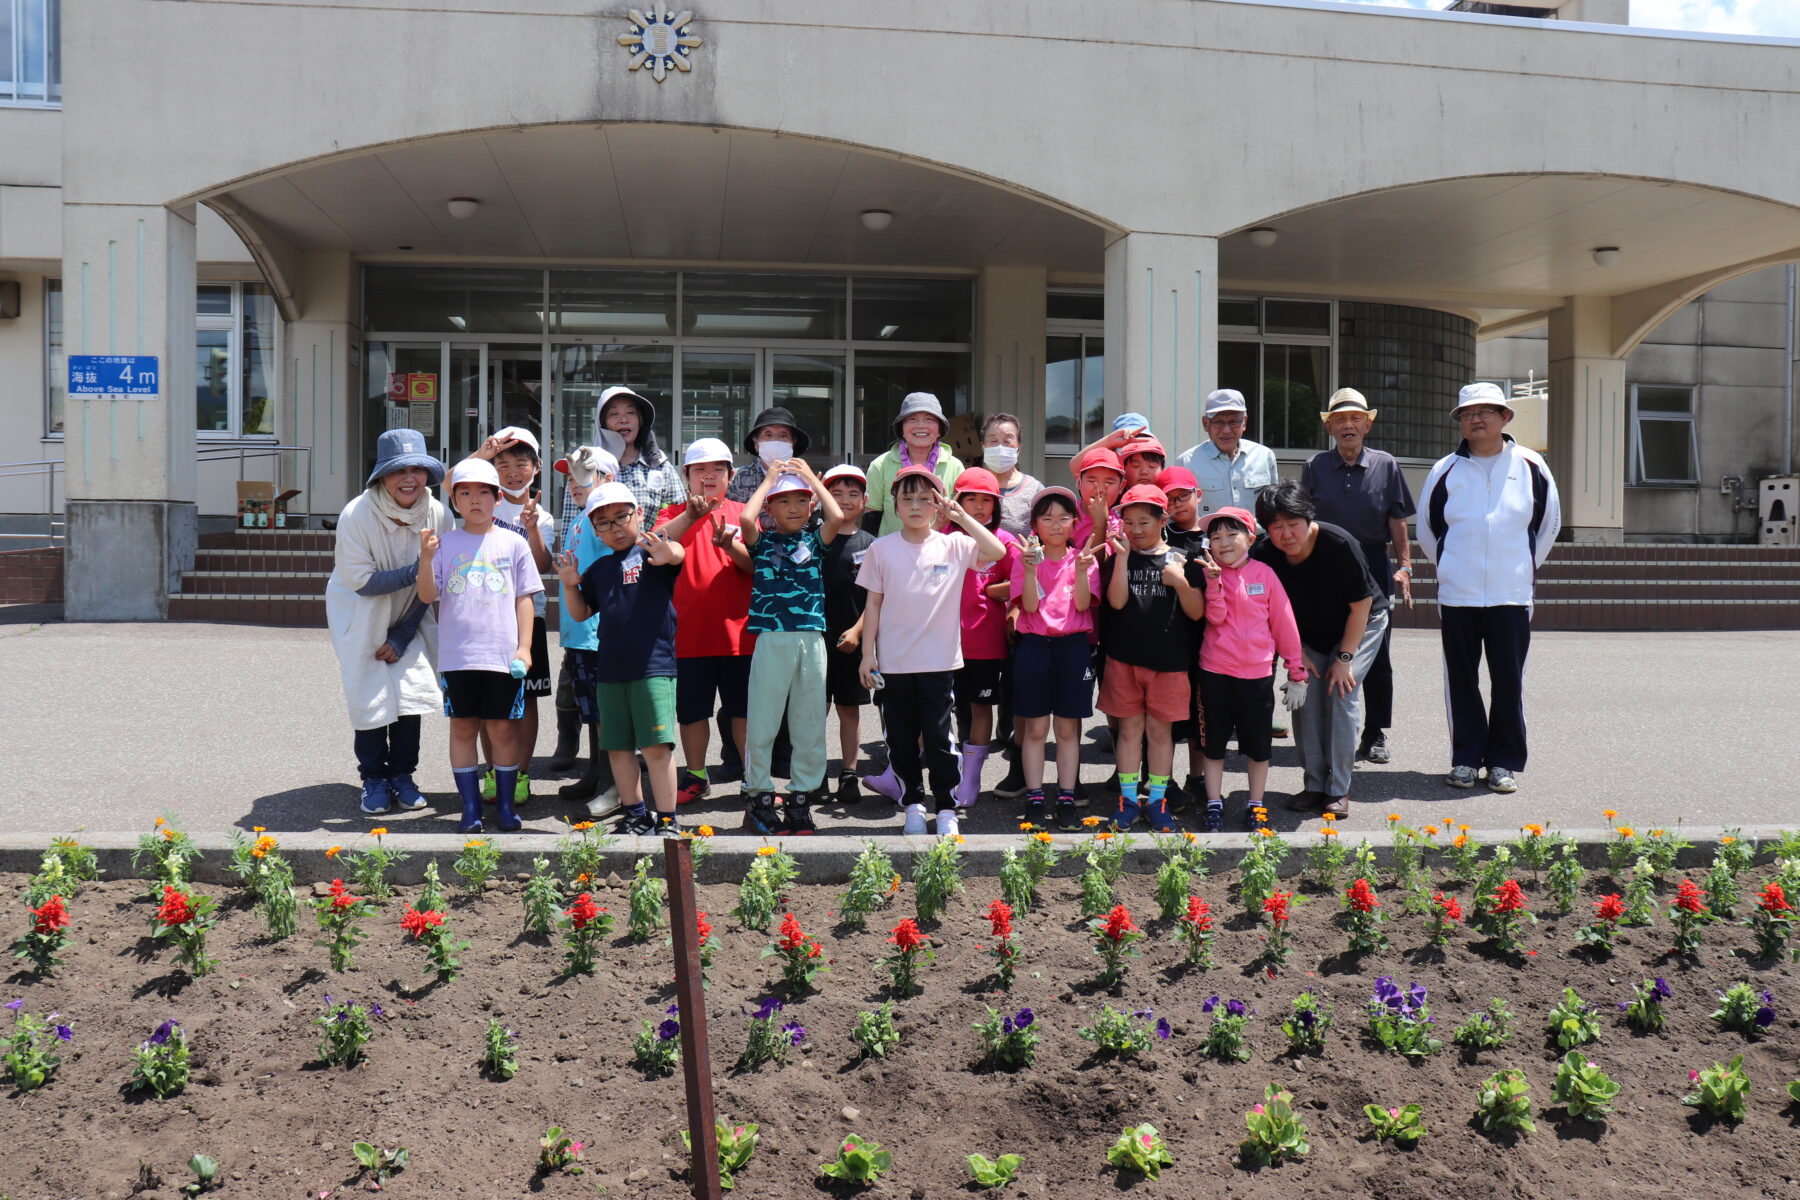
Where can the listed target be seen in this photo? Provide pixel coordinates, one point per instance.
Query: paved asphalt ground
(109, 726)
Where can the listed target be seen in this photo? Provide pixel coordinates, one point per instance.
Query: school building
(263, 233)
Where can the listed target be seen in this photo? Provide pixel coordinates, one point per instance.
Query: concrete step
(290, 610)
(270, 539)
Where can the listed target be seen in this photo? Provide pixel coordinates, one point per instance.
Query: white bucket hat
(1480, 393)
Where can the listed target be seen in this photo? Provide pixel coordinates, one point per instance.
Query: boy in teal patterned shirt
(787, 614)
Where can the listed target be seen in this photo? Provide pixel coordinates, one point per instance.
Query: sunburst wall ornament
(660, 41)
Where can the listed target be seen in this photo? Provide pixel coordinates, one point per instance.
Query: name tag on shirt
(856, 558)
(937, 571)
(802, 554)
(633, 567)
(1253, 589)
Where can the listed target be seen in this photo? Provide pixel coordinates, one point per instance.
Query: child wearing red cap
(1155, 597)
(986, 589)
(1183, 532)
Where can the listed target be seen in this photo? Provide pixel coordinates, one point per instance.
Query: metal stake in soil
(696, 1065)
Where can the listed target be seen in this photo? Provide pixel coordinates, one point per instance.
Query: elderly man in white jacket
(1488, 516)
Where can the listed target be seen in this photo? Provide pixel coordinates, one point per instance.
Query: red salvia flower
(1508, 897)
(1773, 899)
(791, 936)
(416, 922)
(1199, 914)
(1118, 923)
(175, 909)
(1000, 915)
(906, 935)
(1276, 906)
(582, 912)
(702, 927)
(51, 917)
(1610, 909)
(1448, 906)
(340, 896)
(1689, 898)
(1361, 898)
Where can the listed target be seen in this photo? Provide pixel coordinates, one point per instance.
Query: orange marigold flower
(1103, 837)
(159, 823)
(1533, 830)
(1609, 814)
(258, 828)
(333, 851)
(582, 826)
(1393, 818)
(1656, 833)
(1329, 817)
(764, 851)
(1727, 840)
(378, 832)
(1461, 840)
(1090, 822)
(1190, 835)
(704, 831)
(1040, 837)
(1328, 831)
(1026, 827)
(1626, 831)
(170, 835)
(1266, 831)
(894, 884)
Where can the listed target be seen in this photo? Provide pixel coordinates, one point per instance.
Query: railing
(244, 453)
(31, 53)
(53, 519)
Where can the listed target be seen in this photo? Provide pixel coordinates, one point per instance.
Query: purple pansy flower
(1164, 1030)
(669, 1030)
(375, 1010)
(161, 1036)
(1143, 1014)
(65, 1034)
(796, 1032)
(1235, 1008)
(673, 1009)
(1660, 991)
(1212, 1002)
(16, 1005)
(1024, 1018)
(769, 1007)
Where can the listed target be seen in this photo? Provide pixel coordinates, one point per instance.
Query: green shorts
(637, 714)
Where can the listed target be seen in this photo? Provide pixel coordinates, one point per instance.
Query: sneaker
(848, 791)
(605, 804)
(666, 825)
(1014, 783)
(1461, 777)
(1125, 813)
(915, 820)
(487, 784)
(1037, 812)
(407, 794)
(1160, 819)
(946, 823)
(637, 824)
(1375, 749)
(1066, 820)
(522, 790)
(1501, 780)
(1175, 799)
(799, 813)
(377, 797)
(762, 816)
(1215, 817)
(692, 788)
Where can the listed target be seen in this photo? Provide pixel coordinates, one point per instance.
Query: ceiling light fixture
(1262, 237)
(1605, 256)
(877, 219)
(462, 207)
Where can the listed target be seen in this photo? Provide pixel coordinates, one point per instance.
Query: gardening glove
(1293, 694)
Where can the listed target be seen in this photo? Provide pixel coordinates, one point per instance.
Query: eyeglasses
(618, 522)
(1488, 414)
(1225, 422)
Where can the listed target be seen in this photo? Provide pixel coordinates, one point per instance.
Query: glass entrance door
(580, 373)
(719, 392)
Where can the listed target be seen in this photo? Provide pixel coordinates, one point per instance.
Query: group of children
(782, 604)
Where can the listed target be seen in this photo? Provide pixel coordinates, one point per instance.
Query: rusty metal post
(696, 1063)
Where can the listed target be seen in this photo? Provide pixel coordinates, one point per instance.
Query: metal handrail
(54, 527)
(246, 451)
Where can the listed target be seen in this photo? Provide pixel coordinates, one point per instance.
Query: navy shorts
(698, 680)
(1243, 706)
(537, 678)
(1053, 676)
(483, 695)
(843, 676)
(978, 680)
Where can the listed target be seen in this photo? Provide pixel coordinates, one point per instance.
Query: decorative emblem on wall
(660, 41)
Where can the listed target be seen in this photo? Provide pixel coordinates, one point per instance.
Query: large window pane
(634, 304)
(1666, 449)
(718, 388)
(811, 386)
(583, 372)
(883, 381)
(213, 299)
(30, 50)
(212, 380)
(258, 384)
(911, 310)
(749, 307)
(1297, 316)
(1665, 399)
(1062, 391)
(1293, 396)
(1075, 306)
(54, 358)
(1240, 369)
(453, 300)
(1239, 314)
(1093, 389)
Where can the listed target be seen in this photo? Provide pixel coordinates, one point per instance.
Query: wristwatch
(1345, 656)
(1407, 567)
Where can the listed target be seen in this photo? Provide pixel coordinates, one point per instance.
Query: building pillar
(1587, 421)
(1162, 352)
(128, 288)
(1009, 354)
(325, 379)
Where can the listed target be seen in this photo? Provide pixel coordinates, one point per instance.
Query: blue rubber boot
(468, 786)
(506, 780)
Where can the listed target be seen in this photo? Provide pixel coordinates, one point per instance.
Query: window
(56, 371)
(31, 53)
(234, 360)
(1662, 435)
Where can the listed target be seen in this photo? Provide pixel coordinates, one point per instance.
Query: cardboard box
(259, 507)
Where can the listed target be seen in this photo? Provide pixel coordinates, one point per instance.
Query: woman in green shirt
(920, 428)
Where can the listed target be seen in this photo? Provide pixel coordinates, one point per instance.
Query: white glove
(1293, 694)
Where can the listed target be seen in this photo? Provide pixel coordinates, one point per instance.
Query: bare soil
(281, 1124)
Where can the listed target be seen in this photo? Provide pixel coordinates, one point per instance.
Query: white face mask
(774, 451)
(1000, 458)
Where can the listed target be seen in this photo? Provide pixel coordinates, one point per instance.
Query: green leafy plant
(268, 877)
(1720, 1091)
(911, 948)
(1621, 849)
(1031, 866)
(370, 866)
(937, 877)
(557, 1151)
(1640, 894)
(205, 1170)
(479, 859)
(802, 958)
(736, 1145)
(1126, 1035)
(431, 892)
(65, 866)
(1743, 1008)
(344, 1031)
(1794, 1091)
(1772, 921)
(1722, 892)
(1573, 1022)
(1644, 1012)
(431, 930)
(759, 892)
(769, 1042)
(1662, 847)
(1260, 871)
(159, 1065)
(996, 1172)
(657, 1047)
(337, 915)
(1401, 1020)
(1363, 912)
(647, 898)
(1445, 911)
(382, 1164)
(185, 919)
(1565, 879)
(164, 855)
(1465, 853)
(1114, 938)
(1486, 1030)
(1308, 1024)
(29, 1046)
(1008, 1041)
(1097, 892)
(1505, 911)
(1184, 859)
(1325, 859)
(1141, 1149)
(871, 884)
(1277, 1135)
(875, 1033)
(581, 854)
(499, 1052)
(1403, 1126)
(1582, 1087)
(1225, 1040)
(542, 899)
(585, 925)
(1407, 855)
(1504, 1102)
(1734, 851)
(858, 1161)
(1533, 849)
(46, 938)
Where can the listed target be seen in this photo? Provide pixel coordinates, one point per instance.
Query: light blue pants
(787, 672)
(1327, 728)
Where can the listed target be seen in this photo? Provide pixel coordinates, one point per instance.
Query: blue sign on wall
(113, 375)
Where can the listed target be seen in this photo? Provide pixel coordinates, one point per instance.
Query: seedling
(1140, 1148)
(383, 1164)
(1276, 1134)
(858, 1162)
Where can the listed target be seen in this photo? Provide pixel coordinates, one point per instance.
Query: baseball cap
(1238, 514)
(706, 450)
(847, 471)
(606, 494)
(585, 464)
(1145, 493)
(473, 470)
(1171, 479)
(1099, 457)
(979, 480)
(514, 433)
(1143, 445)
(1044, 494)
(789, 483)
(916, 472)
(1225, 400)
(1130, 420)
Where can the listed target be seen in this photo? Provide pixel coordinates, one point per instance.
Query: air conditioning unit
(1778, 511)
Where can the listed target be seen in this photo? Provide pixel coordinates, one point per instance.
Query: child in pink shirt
(986, 589)
(1248, 621)
(1055, 585)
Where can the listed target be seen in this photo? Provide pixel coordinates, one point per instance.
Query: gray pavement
(109, 726)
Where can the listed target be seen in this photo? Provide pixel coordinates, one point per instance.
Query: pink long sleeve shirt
(1248, 620)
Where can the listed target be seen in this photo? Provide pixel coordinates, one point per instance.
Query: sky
(1769, 18)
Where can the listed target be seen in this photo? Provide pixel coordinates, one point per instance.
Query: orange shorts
(1128, 691)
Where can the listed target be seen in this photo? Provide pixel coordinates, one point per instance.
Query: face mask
(1000, 458)
(774, 451)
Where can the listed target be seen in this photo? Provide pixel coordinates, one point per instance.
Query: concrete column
(1009, 354)
(1587, 420)
(128, 288)
(324, 375)
(1162, 353)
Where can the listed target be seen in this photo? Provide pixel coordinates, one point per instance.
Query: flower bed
(279, 1123)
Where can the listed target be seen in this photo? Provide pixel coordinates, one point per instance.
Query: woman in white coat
(385, 638)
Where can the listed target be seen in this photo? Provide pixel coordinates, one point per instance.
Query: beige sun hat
(1347, 400)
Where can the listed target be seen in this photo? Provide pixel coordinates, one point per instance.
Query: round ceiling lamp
(1605, 256)
(877, 219)
(1262, 237)
(462, 207)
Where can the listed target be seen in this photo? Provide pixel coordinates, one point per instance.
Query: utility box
(1778, 511)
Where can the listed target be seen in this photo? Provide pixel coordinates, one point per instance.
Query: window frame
(13, 87)
(1636, 476)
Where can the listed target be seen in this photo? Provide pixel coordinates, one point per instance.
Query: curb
(822, 859)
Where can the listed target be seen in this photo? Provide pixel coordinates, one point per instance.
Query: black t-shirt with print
(844, 597)
(1151, 631)
(1322, 588)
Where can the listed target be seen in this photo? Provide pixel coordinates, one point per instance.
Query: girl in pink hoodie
(1248, 621)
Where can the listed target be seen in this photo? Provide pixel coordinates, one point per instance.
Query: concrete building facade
(1053, 208)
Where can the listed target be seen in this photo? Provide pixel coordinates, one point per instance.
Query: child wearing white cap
(586, 467)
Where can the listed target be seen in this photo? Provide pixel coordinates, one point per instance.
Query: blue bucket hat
(399, 448)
